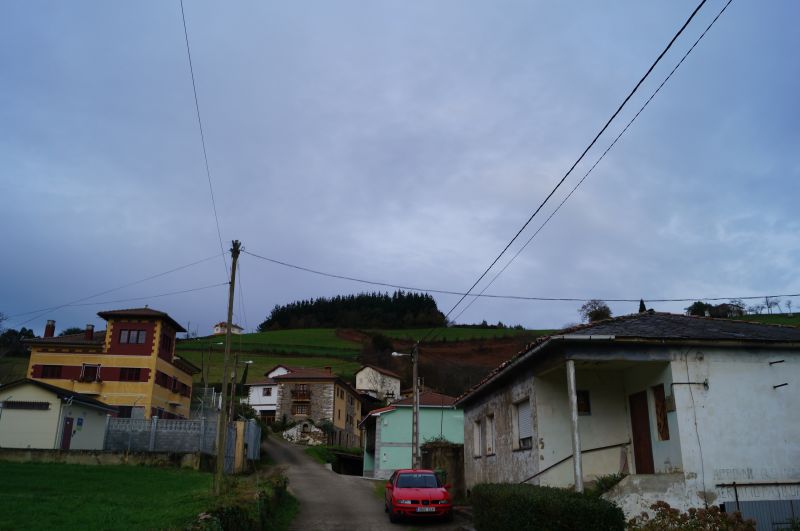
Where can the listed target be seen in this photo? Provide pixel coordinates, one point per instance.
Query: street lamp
(415, 413)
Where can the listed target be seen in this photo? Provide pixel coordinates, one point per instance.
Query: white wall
(88, 427)
(747, 430)
(368, 379)
(258, 401)
(25, 428)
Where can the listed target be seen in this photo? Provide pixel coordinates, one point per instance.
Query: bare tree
(789, 307)
(594, 310)
(771, 303)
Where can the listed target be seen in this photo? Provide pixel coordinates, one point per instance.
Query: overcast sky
(402, 142)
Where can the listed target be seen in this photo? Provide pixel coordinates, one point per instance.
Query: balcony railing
(301, 395)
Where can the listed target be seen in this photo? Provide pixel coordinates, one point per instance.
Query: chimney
(89, 332)
(50, 328)
(329, 370)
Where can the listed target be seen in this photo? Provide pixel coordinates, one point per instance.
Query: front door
(66, 435)
(640, 426)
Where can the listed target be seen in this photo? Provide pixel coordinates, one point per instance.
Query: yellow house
(131, 364)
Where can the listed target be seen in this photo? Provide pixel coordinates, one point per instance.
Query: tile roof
(268, 381)
(98, 338)
(141, 312)
(306, 373)
(63, 394)
(427, 398)
(656, 326)
(381, 370)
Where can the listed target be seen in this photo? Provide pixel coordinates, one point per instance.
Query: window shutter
(524, 418)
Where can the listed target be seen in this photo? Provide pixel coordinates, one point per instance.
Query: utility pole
(222, 430)
(415, 414)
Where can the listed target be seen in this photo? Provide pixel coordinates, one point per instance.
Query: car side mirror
(447, 486)
(389, 485)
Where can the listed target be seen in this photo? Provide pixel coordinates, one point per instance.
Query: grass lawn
(264, 362)
(460, 334)
(311, 341)
(59, 496)
(12, 368)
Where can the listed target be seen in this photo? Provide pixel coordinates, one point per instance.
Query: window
(339, 414)
(51, 371)
(132, 336)
(124, 412)
(300, 409)
(267, 391)
(661, 412)
(123, 336)
(25, 404)
(584, 404)
(477, 438)
(490, 435)
(166, 343)
(90, 373)
(130, 374)
(523, 425)
(141, 336)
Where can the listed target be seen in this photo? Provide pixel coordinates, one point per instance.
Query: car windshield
(417, 481)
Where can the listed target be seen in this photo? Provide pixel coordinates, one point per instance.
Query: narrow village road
(330, 501)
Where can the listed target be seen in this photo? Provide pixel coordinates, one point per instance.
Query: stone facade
(320, 402)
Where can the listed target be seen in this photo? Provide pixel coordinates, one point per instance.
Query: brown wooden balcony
(301, 395)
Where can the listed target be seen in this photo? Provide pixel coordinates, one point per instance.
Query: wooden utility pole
(222, 428)
(415, 411)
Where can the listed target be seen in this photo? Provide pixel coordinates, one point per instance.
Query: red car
(417, 493)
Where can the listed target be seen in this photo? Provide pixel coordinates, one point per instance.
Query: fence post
(105, 436)
(202, 434)
(153, 428)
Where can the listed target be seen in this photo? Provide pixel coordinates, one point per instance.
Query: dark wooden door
(640, 425)
(66, 435)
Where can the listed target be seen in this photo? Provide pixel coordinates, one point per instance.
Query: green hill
(774, 318)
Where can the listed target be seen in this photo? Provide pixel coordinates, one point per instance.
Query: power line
(646, 103)
(496, 296)
(42, 311)
(580, 158)
(180, 292)
(203, 141)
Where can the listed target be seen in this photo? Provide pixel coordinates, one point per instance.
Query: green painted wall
(369, 461)
(396, 425)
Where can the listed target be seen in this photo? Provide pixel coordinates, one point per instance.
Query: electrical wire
(189, 290)
(203, 141)
(580, 158)
(42, 311)
(508, 297)
(646, 103)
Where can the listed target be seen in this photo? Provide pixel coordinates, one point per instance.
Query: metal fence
(769, 514)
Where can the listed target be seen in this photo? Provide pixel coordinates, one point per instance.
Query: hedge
(514, 506)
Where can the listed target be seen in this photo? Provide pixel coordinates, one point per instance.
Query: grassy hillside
(459, 334)
(775, 318)
(310, 342)
(12, 368)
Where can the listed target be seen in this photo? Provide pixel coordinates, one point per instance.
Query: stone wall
(449, 459)
(98, 457)
(157, 435)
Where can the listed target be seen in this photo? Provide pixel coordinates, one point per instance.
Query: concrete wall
(95, 457)
(449, 459)
(88, 427)
(368, 379)
(747, 429)
(25, 428)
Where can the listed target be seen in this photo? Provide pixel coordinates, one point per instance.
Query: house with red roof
(378, 382)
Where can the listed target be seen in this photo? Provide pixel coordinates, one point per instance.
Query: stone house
(695, 410)
(319, 395)
(378, 382)
(262, 395)
(388, 431)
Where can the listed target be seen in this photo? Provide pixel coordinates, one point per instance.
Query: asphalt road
(329, 501)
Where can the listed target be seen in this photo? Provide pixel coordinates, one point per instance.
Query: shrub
(604, 484)
(672, 519)
(515, 506)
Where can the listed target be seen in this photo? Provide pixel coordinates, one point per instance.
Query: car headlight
(442, 502)
(404, 502)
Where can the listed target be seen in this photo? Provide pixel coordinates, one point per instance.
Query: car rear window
(417, 481)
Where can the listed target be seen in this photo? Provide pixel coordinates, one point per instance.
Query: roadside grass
(325, 454)
(264, 362)
(60, 496)
(13, 368)
(775, 318)
(379, 489)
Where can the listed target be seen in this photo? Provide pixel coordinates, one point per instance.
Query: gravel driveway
(329, 501)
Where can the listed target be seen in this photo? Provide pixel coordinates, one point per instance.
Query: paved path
(329, 501)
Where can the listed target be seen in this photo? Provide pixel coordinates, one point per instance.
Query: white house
(221, 328)
(38, 415)
(263, 394)
(695, 410)
(378, 382)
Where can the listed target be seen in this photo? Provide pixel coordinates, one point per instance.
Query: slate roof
(63, 394)
(306, 373)
(268, 381)
(657, 326)
(142, 313)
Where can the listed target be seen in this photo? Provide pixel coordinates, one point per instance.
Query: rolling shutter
(524, 419)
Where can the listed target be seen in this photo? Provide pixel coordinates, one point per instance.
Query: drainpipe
(577, 459)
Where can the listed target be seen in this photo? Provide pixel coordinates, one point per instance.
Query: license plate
(426, 509)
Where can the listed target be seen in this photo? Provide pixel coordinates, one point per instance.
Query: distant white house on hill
(221, 328)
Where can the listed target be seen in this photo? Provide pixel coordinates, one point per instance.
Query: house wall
(25, 428)
(368, 379)
(393, 435)
(507, 464)
(747, 430)
(258, 401)
(321, 401)
(88, 427)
